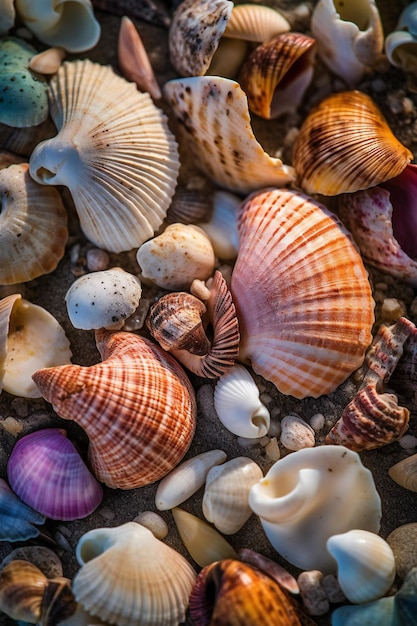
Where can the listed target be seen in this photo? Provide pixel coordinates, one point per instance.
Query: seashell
(225, 343)
(48, 562)
(205, 544)
(46, 471)
(404, 376)
(365, 564)
(175, 321)
(296, 434)
(350, 37)
(190, 206)
(22, 141)
(405, 472)
(232, 587)
(103, 299)
(310, 495)
(137, 407)
(101, 150)
(255, 22)
(134, 61)
(30, 337)
(289, 335)
(400, 45)
(17, 520)
(222, 227)
(382, 224)
(175, 258)
(277, 73)
(29, 212)
(365, 158)
(237, 404)
(7, 16)
(69, 24)
(214, 114)
(24, 101)
(128, 576)
(186, 479)
(270, 567)
(225, 500)
(47, 62)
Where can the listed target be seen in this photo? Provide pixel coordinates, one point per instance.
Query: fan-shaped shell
(117, 157)
(345, 145)
(130, 577)
(137, 407)
(17, 520)
(214, 113)
(47, 473)
(302, 294)
(29, 214)
(255, 22)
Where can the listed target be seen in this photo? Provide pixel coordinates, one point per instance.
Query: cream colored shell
(128, 576)
(117, 156)
(404, 473)
(255, 22)
(213, 112)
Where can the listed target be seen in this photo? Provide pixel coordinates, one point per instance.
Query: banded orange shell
(137, 407)
(302, 294)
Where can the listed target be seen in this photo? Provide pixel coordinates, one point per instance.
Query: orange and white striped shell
(137, 407)
(301, 292)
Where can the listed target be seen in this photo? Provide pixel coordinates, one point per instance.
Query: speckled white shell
(365, 562)
(225, 500)
(117, 156)
(237, 403)
(310, 495)
(130, 577)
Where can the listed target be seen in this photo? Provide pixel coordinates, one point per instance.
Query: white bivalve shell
(103, 299)
(226, 496)
(365, 562)
(237, 403)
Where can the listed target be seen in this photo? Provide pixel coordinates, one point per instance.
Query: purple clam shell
(48, 474)
(16, 518)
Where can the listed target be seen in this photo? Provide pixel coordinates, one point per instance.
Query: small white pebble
(392, 309)
(12, 426)
(97, 260)
(312, 593)
(317, 421)
(153, 522)
(408, 442)
(272, 450)
(296, 434)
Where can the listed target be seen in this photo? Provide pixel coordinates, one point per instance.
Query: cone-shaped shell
(29, 214)
(214, 113)
(137, 407)
(117, 156)
(345, 145)
(302, 294)
(130, 577)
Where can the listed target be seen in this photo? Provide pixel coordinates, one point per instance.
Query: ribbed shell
(345, 145)
(214, 113)
(29, 214)
(47, 473)
(117, 156)
(137, 407)
(16, 518)
(302, 294)
(130, 577)
(255, 22)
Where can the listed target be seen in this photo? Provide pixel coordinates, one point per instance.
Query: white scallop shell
(237, 403)
(214, 113)
(70, 24)
(30, 338)
(186, 479)
(226, 495)
(130, 577)
(117, 156)
(366, 564)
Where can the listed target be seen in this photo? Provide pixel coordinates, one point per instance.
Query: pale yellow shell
(405, 473)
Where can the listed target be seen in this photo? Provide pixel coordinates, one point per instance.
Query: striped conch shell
(137, 407)
(302, 294)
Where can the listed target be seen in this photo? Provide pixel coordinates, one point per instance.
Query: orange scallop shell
(302, 294)
(137, 407)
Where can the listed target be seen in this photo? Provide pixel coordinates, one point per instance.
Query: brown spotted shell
(137, 407)
(345, 144)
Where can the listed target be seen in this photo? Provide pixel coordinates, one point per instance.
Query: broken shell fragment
(277, 73)
(173, 259)
(349, 36)
(137, 407)
(118, 158)
(47, 62)
(30, 338)
(103, 299)
(292, 249)
(345, 144)
(29, 213)
(237, 404)
(213, 112)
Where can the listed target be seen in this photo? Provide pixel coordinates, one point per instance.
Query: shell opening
(90, 548)
(45, 175)
(355, 11)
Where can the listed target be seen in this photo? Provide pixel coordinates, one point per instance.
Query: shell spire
(137, 407)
